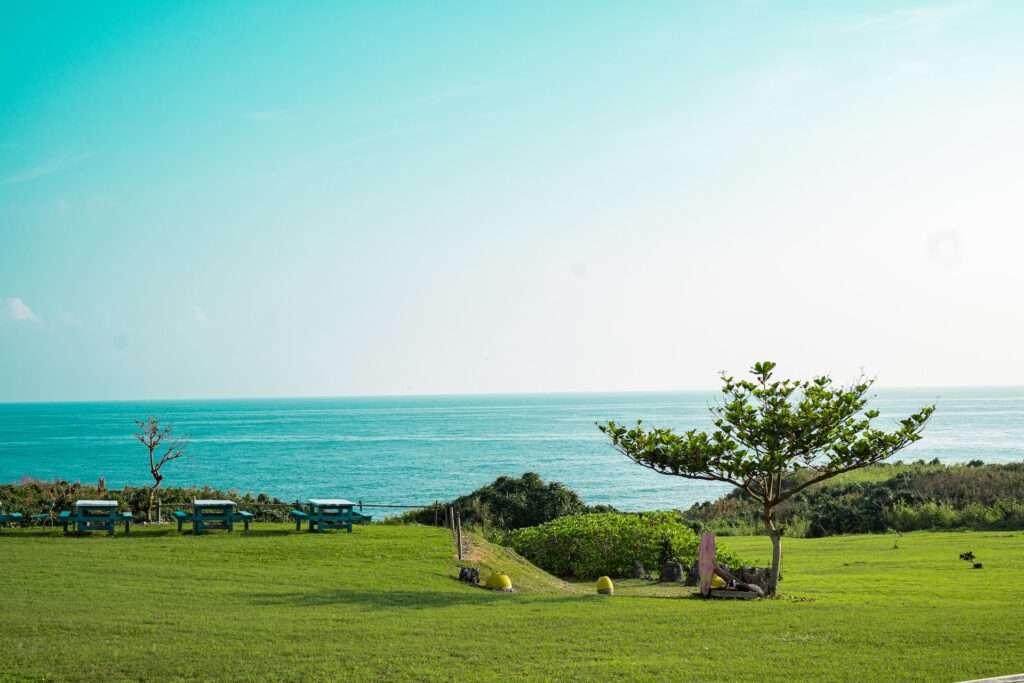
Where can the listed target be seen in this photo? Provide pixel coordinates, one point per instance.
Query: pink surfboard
(706, 562)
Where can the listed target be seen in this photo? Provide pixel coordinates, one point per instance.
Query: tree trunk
(776, 536)
(152, 497)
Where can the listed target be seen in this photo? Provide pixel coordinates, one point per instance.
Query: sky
(239, 199)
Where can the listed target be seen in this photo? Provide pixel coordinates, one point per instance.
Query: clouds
(920, 20)
(16, 310)
(45, 169)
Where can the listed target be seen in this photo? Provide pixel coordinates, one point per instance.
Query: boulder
(639, 572)
(753, 575)
(692, 575)
(671, 571)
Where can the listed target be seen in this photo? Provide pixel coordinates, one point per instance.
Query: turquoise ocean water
(417, 449)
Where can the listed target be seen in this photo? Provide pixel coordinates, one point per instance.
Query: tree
(767, 429)
(164, 446)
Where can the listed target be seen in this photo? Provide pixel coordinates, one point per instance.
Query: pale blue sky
(264, 199)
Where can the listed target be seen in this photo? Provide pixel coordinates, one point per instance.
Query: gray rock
(639, 572)
(470, 575)
(753, 575)
(692, 576)
(671, 571)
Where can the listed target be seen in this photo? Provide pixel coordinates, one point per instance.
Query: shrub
(509, 503)
(34, 496)
(588, 546)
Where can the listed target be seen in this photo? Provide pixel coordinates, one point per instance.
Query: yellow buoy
(717, 581)
(499, 582)
(605, 586)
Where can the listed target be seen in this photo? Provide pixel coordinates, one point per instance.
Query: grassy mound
(527, 578)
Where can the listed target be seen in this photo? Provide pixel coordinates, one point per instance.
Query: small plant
(969, 557)
(163, 446)
(896, 542)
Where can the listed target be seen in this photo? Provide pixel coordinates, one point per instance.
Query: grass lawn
(381, 604)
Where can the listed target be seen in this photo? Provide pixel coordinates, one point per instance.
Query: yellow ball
(605, 586)
(717, 581)
(499, 582)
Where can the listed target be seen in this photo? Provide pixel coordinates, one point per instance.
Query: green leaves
(765, 429)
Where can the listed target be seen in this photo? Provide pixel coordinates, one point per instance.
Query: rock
(639, 572)
(470, 575)
(692, 576)
(753, 575)
(754, 588)
(671, 571)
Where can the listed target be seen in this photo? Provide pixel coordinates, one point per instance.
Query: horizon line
(468, 394)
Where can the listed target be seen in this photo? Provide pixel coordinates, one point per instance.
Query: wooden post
(458, 531)
(437, 505)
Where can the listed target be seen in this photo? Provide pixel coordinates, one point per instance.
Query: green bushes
(902, 497)
(508, 503)
(34, 496)
(592, 545)
(1001, 515)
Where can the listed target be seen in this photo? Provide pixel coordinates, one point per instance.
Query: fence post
(458, 531)
(437, 506)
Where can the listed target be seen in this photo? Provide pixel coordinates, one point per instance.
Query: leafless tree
(164, 446)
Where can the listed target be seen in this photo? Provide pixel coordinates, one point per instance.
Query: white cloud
(18, 310)
(44, 169)
(915, 19)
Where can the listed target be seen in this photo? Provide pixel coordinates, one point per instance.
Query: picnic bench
(13, 518)
(329, 513)
(95, 515)
(213, 514)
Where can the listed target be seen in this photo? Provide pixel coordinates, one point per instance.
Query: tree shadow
(391, 599)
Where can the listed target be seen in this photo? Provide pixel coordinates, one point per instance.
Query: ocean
(414, 450)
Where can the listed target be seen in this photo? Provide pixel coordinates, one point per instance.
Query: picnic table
(212, 514)
(95, 515)
(14, 517)
(328, 513)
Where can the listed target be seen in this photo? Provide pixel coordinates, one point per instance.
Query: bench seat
(239, 516)
(14, 517)
(300, 517)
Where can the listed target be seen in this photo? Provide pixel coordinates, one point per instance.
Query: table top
(213, 503)
(96, 503)
(327, 502)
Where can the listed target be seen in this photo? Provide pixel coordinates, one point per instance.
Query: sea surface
(414, 450)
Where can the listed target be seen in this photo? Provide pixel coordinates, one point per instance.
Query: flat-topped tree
(163, 446)
(768, 429)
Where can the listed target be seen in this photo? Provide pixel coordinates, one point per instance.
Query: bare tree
(164, 446)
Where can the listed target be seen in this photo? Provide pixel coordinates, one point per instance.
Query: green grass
(381, 604)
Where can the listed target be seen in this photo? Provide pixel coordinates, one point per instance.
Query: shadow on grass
(384, 598)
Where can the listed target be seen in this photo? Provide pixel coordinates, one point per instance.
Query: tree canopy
(766, 428)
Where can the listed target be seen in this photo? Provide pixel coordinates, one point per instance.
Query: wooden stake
(458, 532)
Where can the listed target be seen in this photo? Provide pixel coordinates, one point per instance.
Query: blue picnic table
(328, 513)
(13, 518)
(213, 514)
(95, 515)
